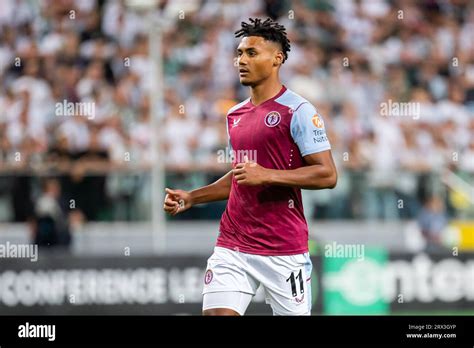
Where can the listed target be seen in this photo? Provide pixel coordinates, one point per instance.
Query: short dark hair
(269, 30)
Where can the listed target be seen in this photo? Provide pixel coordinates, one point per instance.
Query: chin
(246, 83)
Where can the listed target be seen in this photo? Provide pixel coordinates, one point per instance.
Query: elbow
(329, 181)
(333, 182)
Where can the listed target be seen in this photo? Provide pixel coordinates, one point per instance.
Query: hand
(250, 173)
(177, 201)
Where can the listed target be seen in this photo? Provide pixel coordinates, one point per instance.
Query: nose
(242, 61)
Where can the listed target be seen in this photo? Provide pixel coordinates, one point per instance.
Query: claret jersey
(277, 134)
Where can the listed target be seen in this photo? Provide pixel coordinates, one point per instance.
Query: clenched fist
(250, 173)
(177, 201)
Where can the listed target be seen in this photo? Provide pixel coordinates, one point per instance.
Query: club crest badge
(272, 119)
(208, 277)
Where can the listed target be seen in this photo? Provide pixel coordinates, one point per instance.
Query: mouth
(243, 71)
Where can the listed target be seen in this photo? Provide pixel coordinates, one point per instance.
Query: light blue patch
(306, 135)
(309, 138)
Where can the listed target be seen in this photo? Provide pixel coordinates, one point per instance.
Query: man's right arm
(217, 191)
(177, 201)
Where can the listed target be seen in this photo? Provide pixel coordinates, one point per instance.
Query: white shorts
(233, 277)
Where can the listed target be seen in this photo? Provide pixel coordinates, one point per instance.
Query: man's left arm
(320, 173)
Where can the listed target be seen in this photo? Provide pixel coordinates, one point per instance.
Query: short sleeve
(308, 131)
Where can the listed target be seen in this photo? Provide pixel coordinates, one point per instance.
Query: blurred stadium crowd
(348, 57)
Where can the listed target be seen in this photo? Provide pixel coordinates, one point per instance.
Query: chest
(259, 128)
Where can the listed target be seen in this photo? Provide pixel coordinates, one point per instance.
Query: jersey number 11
(292, 281)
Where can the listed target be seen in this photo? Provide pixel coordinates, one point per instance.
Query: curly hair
(269, 30)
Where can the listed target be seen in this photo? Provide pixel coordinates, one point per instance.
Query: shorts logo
(272, 119)
(208, 277)
(317, 121)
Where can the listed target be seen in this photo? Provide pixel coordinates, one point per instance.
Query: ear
(278, 58)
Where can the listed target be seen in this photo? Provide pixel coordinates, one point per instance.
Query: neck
(264, 91)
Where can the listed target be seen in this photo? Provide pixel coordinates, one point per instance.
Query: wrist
(269, 176)
(192, 197)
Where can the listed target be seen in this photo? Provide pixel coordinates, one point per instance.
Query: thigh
(235, 300)
(287, 283)
(227, 270)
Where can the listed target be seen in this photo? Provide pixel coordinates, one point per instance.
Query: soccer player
(263, 235)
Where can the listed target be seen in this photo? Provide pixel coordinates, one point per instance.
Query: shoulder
(238, 106)
(295, 102)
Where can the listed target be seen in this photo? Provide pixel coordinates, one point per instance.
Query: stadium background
(394, 81)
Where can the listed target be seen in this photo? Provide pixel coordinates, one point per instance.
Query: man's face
(258, 59)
